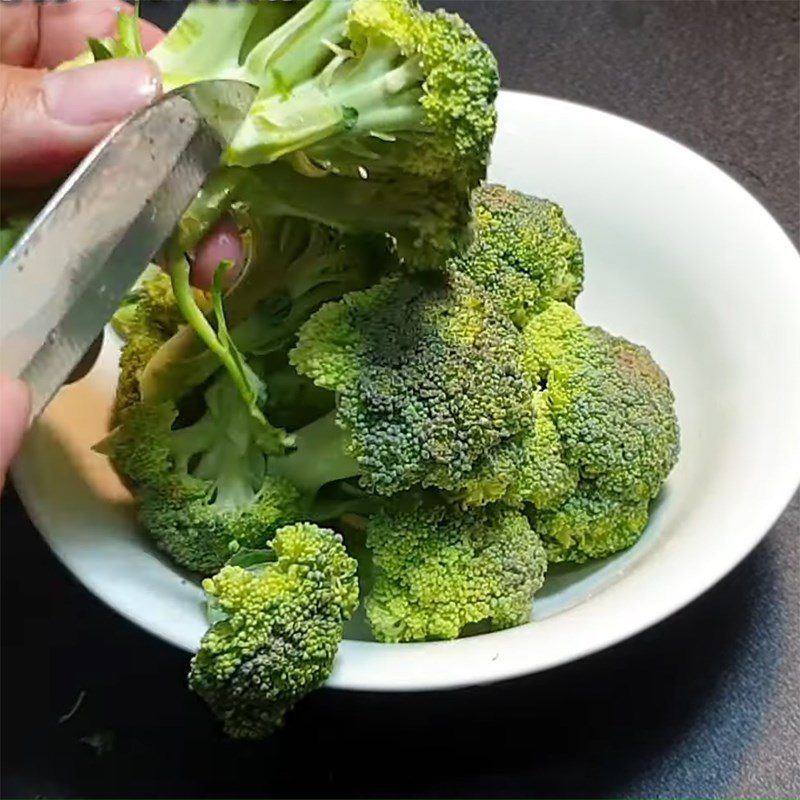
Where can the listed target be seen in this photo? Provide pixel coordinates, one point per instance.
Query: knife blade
(68, 273)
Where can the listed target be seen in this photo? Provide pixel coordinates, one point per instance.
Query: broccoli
(438, 570)
(293, 267)
(591, 523)
(614, 412)
(371, 87)
(277, 624)
(394, 104)
(202, 488)
(147, 318)
(428, 378)
(524, 252)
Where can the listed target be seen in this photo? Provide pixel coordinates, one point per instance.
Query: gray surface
(703, 705)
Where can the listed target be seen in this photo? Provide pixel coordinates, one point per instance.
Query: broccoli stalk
(320, 456)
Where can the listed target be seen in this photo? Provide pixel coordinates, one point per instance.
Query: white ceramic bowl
(680, 258)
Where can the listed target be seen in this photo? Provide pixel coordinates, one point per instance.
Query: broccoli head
(202, 489)
(614, 412)
(438, 569)
(373, 87)
(524, 252)
(428, 378)
(277, 625)
(592, 523)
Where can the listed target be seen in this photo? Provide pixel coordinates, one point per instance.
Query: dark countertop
(703, 705)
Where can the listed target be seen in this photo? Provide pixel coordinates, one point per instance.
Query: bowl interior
(678, 258)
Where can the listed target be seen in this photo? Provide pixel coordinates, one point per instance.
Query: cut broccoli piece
(524, 252)
(614, 412)
(202, 489)
(438, 569)
(592, 523)
(278, 626)
(428, 378)
(373, 87)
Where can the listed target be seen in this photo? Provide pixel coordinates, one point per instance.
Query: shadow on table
(611, 724)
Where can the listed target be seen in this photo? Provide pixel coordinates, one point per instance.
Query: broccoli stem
(321, 457)
(220, 343)
(296, 50)
(372, 98)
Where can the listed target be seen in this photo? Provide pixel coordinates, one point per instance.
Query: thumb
(15, 409)
(50, 120)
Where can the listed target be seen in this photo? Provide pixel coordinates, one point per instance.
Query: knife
(67, 275)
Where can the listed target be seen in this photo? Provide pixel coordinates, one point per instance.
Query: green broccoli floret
(614, 412)
(428, 378)
(524, 252)
(202, 489)
(592, 523)
(277, 626)
(438, 569)
(372, 87)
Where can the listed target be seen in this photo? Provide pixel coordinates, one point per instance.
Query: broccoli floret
(438, 569)
(277, 626)
(614, 412)
(524, 252)
(373, 87)
(202, 489)
(592, 523)
(428, 378)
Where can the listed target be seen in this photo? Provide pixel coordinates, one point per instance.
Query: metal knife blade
(67, 275)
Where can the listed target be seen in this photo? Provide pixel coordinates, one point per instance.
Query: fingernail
(104, 92)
